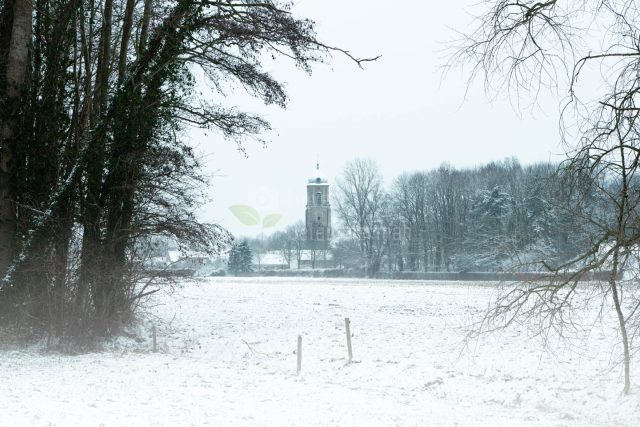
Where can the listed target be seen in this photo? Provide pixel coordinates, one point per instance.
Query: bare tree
(284, 242)
(359, 204)
(298, 235)
(527, 46)
(411, 200)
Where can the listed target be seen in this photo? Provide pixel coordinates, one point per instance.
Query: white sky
(398, 111)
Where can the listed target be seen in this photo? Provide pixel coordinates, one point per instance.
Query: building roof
(269, 258)
(318, 177)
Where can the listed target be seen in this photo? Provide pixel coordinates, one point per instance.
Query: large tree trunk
(17, 15)
(126, 35)
(144, 26)
(133, 120)
(92, 206)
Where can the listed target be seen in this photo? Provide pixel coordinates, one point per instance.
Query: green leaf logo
(271, 220)
(245, 214)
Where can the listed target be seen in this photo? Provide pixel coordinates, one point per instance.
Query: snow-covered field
(227, 357)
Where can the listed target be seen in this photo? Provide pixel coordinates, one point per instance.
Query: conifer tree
(240, 258)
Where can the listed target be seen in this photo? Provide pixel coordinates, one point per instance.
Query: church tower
(318, 215)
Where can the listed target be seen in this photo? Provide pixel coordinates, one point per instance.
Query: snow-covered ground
(227, 357)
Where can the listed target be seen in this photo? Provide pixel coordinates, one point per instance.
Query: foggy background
(398, 111)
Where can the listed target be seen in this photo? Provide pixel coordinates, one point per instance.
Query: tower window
(395, 234)
(318, 198)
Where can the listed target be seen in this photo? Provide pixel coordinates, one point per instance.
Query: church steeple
(318, 177)
(318, 214)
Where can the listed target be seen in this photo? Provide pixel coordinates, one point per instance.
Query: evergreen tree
(240, 258)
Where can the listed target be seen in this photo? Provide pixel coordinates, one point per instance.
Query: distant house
(193, 261)
(269, 261)
(309, 259)
(196, 263)
(316, 259)
(164, 259)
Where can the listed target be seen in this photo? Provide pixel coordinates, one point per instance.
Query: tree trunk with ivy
(15, 36)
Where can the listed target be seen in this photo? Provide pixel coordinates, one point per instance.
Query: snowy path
(227, 358)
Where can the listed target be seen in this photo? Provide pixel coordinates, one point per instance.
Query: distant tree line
(495, 217)
(488, 218)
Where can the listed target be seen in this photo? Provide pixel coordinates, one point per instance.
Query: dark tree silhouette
(98, 95)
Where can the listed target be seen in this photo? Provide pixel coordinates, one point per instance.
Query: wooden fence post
(155, 343)
(347, 324)
(299, 353)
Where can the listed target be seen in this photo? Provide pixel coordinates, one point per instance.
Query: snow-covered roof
(178, 255)
(269, 258)
(318, 178)
(174, 255)
(307, 254)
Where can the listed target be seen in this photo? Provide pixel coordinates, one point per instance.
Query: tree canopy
(94, 98)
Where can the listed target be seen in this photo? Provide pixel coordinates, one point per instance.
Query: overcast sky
(397, 111)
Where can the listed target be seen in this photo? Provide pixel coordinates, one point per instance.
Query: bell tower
(318, 214)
